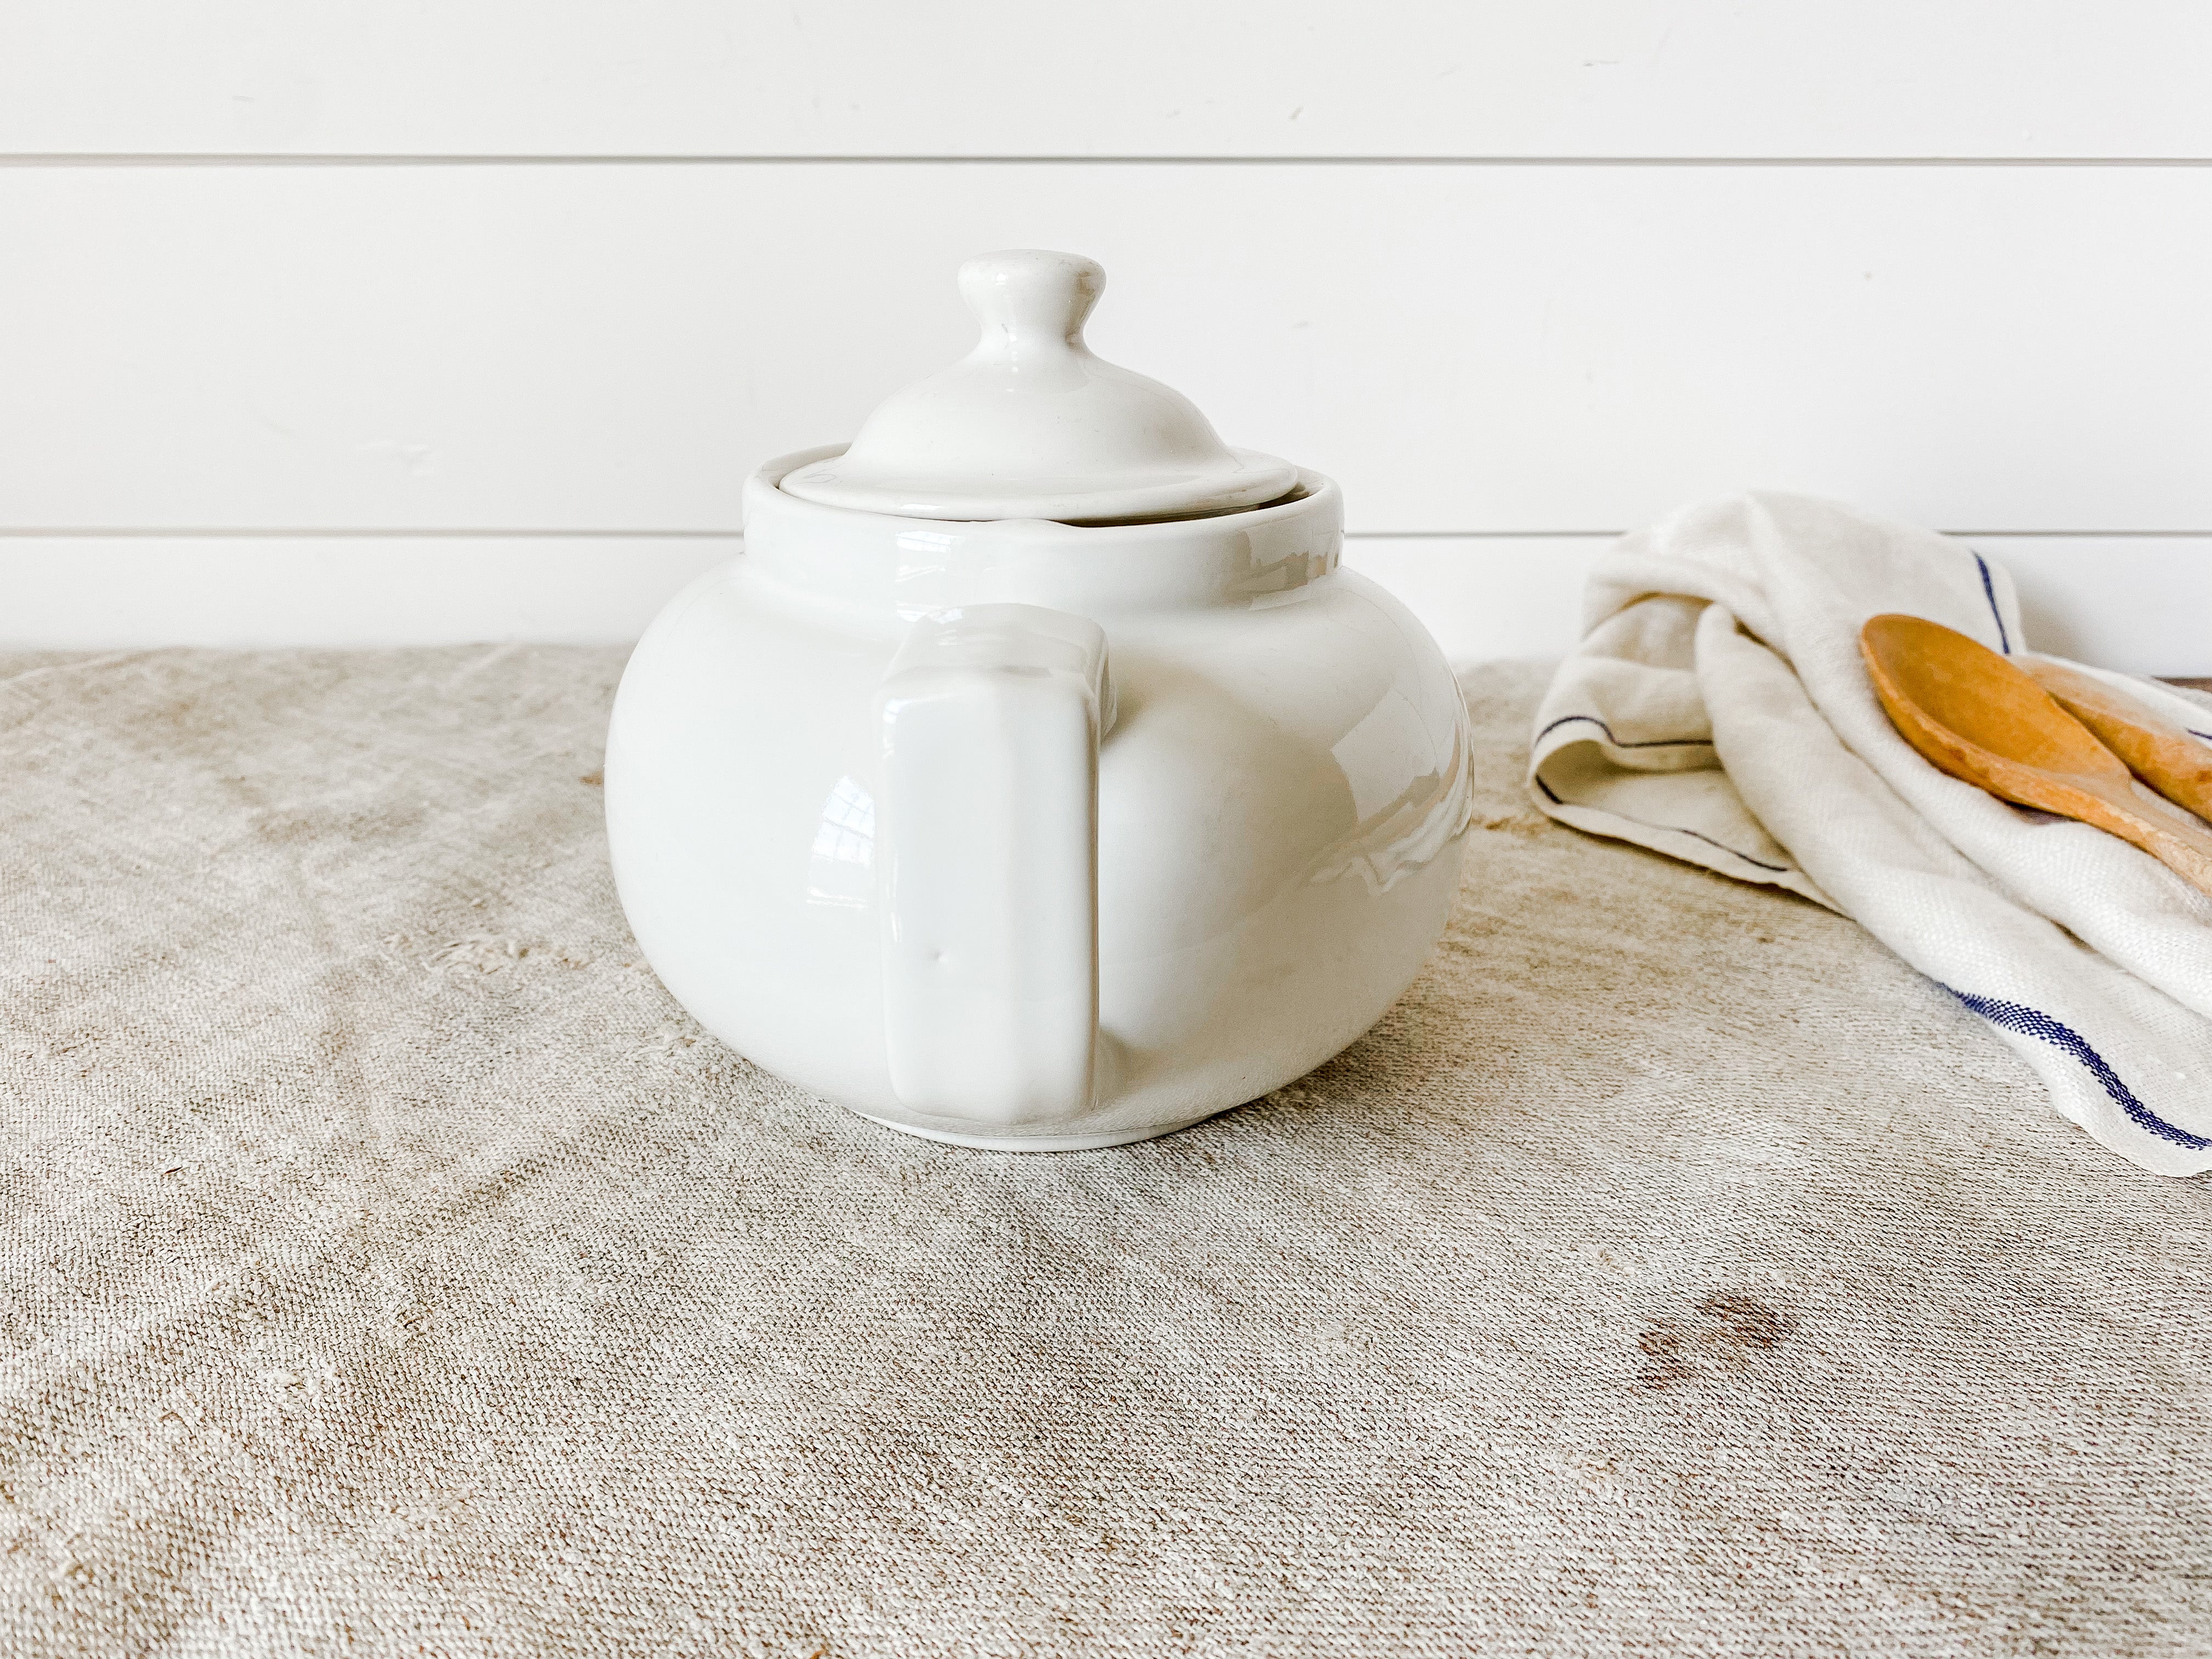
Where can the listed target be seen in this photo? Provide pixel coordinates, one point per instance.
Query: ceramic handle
(987, 862)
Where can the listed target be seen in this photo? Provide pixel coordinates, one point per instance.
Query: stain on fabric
(1746, 1320)
(1727, 1327)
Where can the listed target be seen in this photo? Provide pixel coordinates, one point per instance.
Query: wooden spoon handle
(2163, 754)
(2178, 841)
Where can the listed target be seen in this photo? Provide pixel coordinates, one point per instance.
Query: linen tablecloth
(390, 1267)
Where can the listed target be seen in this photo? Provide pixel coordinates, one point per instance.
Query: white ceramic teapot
(1036, 780)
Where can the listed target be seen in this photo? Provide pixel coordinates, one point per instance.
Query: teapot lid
(1031, 425)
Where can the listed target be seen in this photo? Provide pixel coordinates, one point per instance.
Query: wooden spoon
(1979, 717)
(2160, 753)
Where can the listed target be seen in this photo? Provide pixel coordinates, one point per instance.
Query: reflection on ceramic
(1027, 834)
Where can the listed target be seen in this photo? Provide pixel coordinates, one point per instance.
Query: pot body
(1279, 801)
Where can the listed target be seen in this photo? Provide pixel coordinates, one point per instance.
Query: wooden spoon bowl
(1979, 717)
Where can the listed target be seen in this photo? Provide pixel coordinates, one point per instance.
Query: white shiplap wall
(354, 323)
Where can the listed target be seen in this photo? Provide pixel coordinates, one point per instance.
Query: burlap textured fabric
(391, 1268)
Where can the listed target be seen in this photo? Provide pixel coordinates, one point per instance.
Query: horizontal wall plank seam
(250, 159)
(344, 533)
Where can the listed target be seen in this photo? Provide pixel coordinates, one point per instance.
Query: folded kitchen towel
(1718, 711)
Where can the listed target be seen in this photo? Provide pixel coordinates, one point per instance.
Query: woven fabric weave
(390, 1267)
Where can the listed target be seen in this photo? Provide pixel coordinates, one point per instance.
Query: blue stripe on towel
(2029, 1021)
(1649, 743)
(1989, 588)
(1673, 829)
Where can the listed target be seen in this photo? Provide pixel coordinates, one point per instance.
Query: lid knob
(1031, 425)
(1028, 301)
